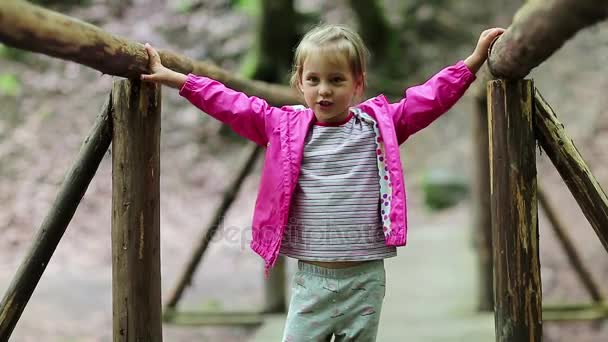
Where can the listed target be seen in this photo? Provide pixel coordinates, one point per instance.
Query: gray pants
(344, 302)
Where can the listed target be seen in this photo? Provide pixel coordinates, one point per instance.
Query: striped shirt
(335, 215)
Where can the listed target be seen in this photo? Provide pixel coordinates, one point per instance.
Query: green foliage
(250, 64)
(7, 52)
(251, 7)
(9, 85)
(443, 190)
(184, 6)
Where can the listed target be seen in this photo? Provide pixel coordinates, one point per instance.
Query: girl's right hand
(160, 73)
(478, 57)
(154, 65)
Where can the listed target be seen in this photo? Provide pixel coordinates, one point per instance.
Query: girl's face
(329, 86)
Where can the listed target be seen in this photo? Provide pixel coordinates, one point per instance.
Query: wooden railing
(517, 118)
(130, 120)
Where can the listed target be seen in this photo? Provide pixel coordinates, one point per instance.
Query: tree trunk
(375, 28)
(387, 61)
(277, 37)
(33, 28)
(272, 53)
(56, 222)
(570, 164)
(136, 288)
(517, 292)
(539, 29)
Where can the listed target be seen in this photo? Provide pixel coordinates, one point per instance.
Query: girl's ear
(360, 85)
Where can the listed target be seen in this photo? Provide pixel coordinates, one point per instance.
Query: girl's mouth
(325, 103)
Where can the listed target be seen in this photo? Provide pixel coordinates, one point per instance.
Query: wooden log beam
(55, 223)
(33, 28)
(136, 279)
(540, 28)
(588, 193)
(517, 289)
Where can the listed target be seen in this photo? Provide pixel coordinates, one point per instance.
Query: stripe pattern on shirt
(335, 214)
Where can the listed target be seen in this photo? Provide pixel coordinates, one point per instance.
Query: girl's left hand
(479, 55)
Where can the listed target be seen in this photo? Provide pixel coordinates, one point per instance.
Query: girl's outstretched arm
(424, 103)
(246, 115)
(160, 73)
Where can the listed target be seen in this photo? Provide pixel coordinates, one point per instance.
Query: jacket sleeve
(424, 103)
(246, 115)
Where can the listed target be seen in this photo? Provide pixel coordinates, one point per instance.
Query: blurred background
(47, 107)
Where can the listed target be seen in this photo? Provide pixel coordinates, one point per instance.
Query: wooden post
(576, 174)
(517, 291)
(74, 186)
(482, 229)
(136, 287)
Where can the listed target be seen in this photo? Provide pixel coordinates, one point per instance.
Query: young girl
(331, 193)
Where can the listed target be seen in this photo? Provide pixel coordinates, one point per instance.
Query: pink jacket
(283, 130)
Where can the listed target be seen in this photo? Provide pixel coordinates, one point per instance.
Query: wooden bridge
(517, 118)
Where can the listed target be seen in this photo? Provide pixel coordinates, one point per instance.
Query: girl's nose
(324, 89)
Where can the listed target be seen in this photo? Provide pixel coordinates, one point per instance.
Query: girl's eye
(337, 79)
(312, 80)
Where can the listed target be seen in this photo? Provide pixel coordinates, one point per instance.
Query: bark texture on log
(517, 291)
(570, 164)
(540, 28)
(55, 223)
(33, 28)
(136, 278)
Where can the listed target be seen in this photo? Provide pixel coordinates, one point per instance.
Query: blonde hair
(336, 39)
